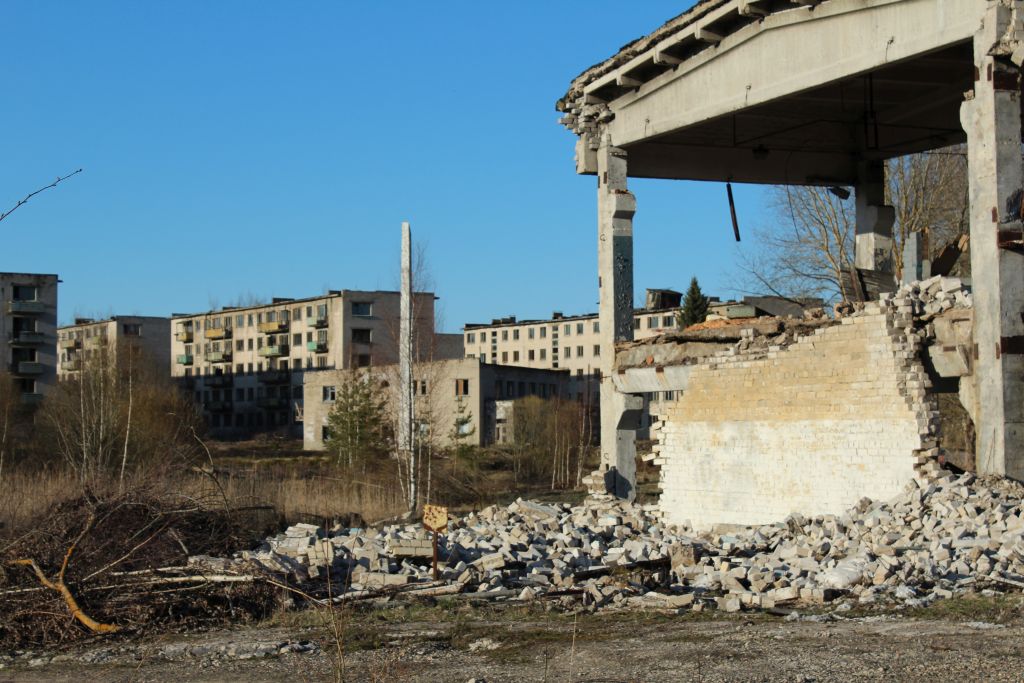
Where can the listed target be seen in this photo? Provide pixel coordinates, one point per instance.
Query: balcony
(31, 398)
(218, 381)
(316, 346)
(185, 359)
(218, 357)
(218, 406)
(71, 365)
(184, 336)
(272, 403)
(276, 377)
(33, 307)
(217, 333)
(27, 367)
(69, 344)
(274, 351)
(26, 338)
(317, 322)
(273, 327)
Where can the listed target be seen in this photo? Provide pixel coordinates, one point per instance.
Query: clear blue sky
(269, 148)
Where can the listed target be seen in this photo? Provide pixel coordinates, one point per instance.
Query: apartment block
(244, 365)
(565, 342)
(86, 339)
(445, 390)
(28, 332)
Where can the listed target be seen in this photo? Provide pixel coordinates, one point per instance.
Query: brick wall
(813, 427)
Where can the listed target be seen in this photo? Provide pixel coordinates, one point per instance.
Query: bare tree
(30, 195)
(811, 240)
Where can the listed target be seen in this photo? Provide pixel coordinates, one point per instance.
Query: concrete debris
(937, 540)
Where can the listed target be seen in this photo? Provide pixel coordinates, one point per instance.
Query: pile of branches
(121, 565)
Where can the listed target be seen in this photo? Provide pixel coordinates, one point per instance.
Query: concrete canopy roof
(772, 91)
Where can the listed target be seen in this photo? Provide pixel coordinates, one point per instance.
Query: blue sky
(272, 149)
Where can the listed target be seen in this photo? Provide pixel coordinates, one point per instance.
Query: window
(240, 320)
(131, 329)
(510, 388)
(530, 354)
(471, 337)
(249, 393)
(297, 313)
(568, 352)
(636, 323)
(515, 335)
(321, 311)
(650, 322)
(362, 360)
(530, 333)
(543, 332)
(543, 354)
(249, 344)
(504, 335)
(667, 321)
(239, 368)
(239, 394)
(296, 363)
(249, 324)
(423, 388)
(567, 329)
(597, 327)
(579, 352)
(597, 349)
(239, 345)
(361, 335)
(363, 309)
(515, 356)
(462, 387)
(328, 394)
(579, 328)
(24, 292)
(248, 368)
(297, 339)
(504, 356)
(325, 434)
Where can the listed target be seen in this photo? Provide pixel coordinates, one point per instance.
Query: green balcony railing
(274, 351)
(185, 359)
(26, 307)
(316, 346)
(218, 357)
(317, 321)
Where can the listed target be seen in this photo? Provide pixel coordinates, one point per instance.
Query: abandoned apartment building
(244, 365)
(773, 416)
(89, 340)
(480, 397)
(572, 343)
(28, 339)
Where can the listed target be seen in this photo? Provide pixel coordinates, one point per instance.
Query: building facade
(28, 332)
(467, 390)
(82, 342)
(244, 365)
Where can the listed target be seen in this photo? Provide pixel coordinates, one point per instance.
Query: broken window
(462, 387)
(363, 309)
(361, 335)
(328, 394)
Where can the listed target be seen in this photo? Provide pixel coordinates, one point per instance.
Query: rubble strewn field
(937, 540)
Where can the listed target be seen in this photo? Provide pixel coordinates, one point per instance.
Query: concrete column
(873, 241)
(991, 116)
(620, 413)
(915, 265)
(405, 398)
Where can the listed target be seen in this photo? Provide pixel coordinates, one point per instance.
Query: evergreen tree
(695, 307)
(358, 425)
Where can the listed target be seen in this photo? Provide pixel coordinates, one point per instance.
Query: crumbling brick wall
(813, 427)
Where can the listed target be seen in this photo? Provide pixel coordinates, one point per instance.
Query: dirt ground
(964, 639)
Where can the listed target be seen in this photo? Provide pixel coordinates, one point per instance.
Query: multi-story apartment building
(244, 365)
(83, 341)
(565, 342)
(28, 332)
(479, 394)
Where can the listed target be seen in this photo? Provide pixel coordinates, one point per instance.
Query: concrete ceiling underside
(817, 136)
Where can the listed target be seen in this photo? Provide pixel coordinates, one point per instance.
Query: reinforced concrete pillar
(620, 413)
(873, 241)
(991, 117)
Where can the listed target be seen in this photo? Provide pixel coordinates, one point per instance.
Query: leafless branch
(33, 194)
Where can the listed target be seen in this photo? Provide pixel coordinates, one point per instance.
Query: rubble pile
(936, 540)
(931, 297)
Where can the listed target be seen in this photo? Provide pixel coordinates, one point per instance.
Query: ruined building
(245, 365)
(28, 339)
(86, 339)
(813, 93)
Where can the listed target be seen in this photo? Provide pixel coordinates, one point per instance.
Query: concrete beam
(784, 54)
(991, 117)
(620, 414)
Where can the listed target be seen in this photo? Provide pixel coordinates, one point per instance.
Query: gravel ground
(965, 639)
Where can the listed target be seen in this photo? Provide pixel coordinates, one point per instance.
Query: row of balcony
(227, 380)
(273, 351)
(26, 367)
(26, 338)
(187, 335)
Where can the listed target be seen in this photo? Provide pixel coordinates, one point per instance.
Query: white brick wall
(810, 428)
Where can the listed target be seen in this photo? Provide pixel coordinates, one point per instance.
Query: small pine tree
(358, 422)
(462, 429)
(695, 307)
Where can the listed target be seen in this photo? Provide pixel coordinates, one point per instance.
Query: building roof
(287, 301)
